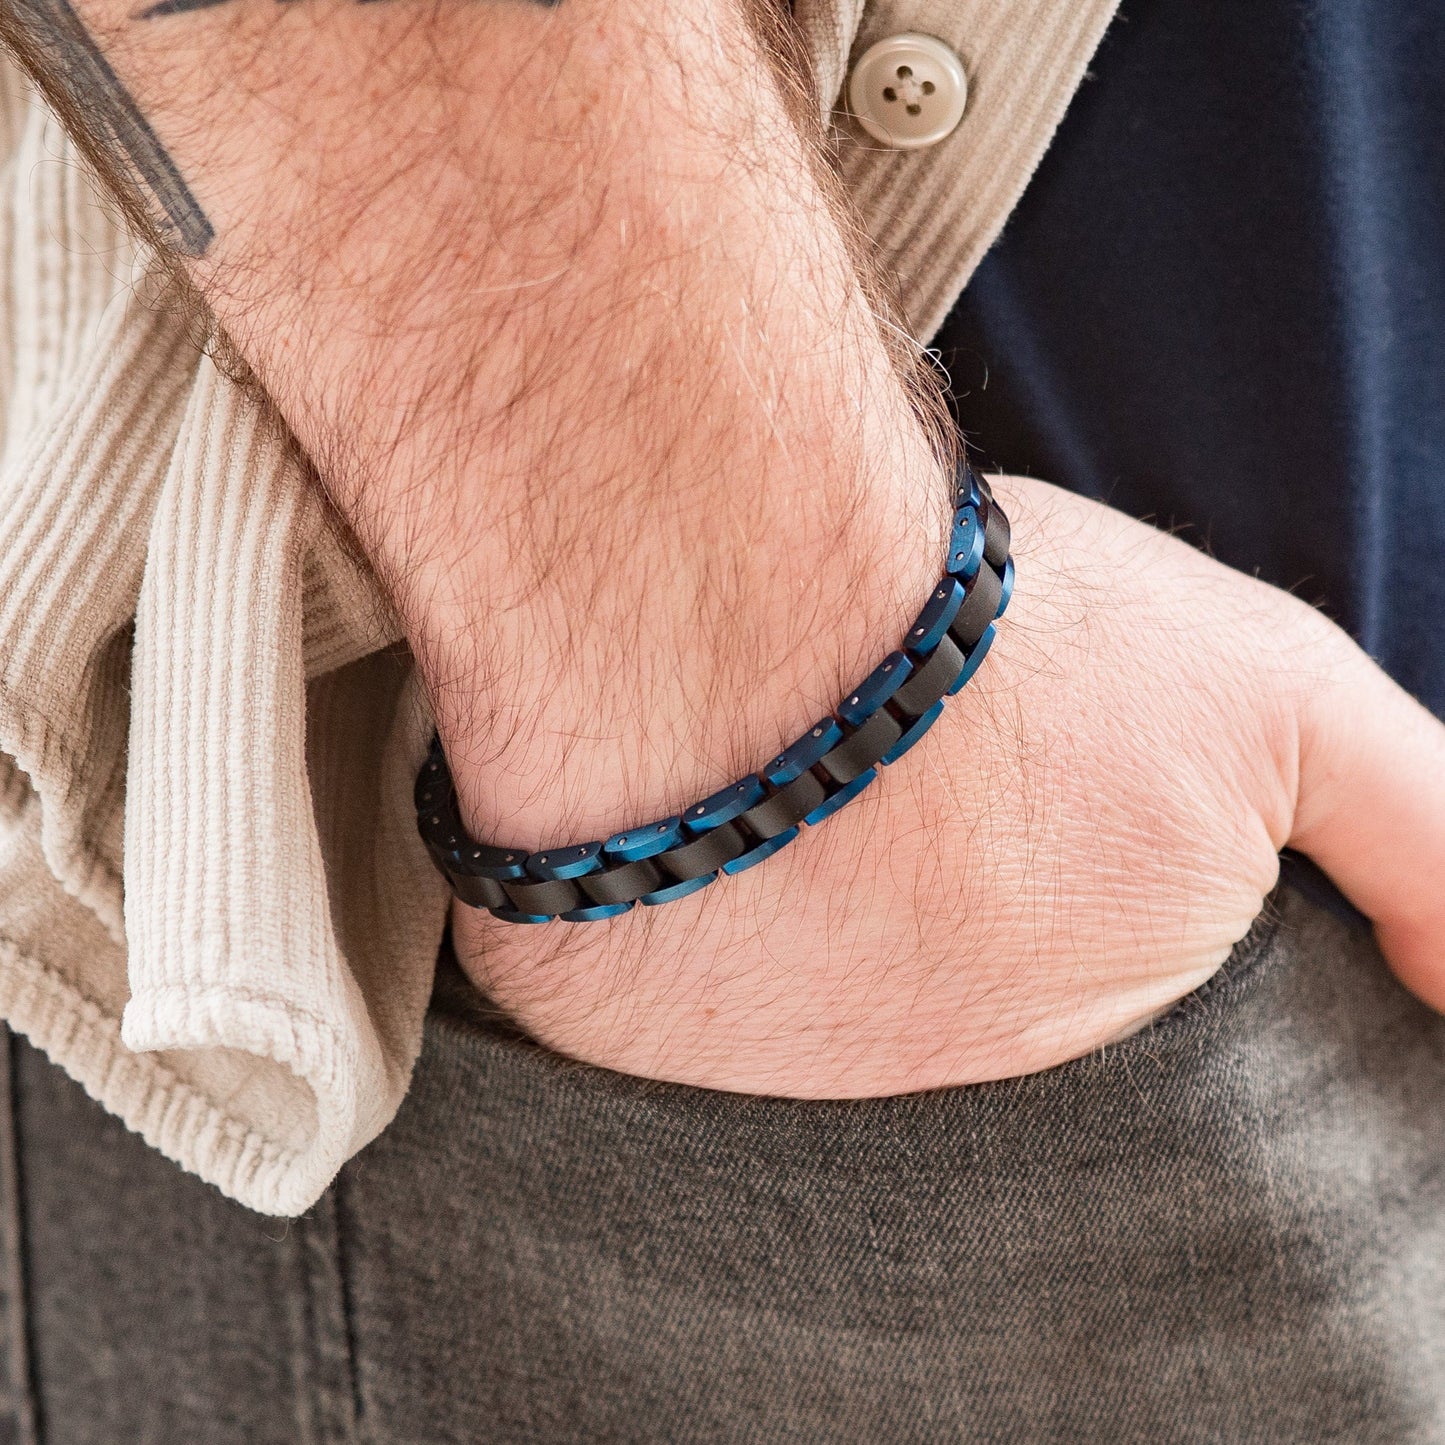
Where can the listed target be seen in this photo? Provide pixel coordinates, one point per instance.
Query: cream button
(908, 91)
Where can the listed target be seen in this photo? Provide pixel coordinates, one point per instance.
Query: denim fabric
(1228, 1228)
(1221, 302)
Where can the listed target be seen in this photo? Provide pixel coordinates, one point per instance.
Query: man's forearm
(556, 301)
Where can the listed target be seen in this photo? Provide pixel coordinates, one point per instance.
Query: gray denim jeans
(1229, 1228)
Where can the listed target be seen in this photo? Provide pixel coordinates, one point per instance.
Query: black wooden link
(996, 538)
(625, 883)
(786, 808)
(553, 897)
(932, 679)
(706, 854)
(979, 608)
(856, 754)
(478, 892)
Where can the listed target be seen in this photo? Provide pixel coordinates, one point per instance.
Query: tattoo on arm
(54, 41)
(175, 7)
(114, 120)
(182, 7)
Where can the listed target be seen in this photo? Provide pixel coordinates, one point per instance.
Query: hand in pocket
(1091, 826)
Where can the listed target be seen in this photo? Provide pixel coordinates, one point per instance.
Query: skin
(565, 306)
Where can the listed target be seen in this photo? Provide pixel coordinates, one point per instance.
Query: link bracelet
(754, 818)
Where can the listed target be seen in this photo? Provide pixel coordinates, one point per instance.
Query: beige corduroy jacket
(214, 909)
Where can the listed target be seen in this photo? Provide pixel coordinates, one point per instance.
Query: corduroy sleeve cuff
(214, 909)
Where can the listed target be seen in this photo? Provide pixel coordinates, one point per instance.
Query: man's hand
(562, 304)
(1088, 829)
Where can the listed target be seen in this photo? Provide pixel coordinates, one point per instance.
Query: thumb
(1371, 810)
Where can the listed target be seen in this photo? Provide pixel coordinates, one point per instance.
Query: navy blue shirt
(1221, 302)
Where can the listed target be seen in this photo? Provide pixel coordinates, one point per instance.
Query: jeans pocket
(1194, 1235)
(1308, 891)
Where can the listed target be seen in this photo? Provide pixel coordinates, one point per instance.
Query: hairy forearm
(558, 302)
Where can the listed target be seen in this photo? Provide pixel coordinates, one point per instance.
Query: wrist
(849, 899)
(644, 673)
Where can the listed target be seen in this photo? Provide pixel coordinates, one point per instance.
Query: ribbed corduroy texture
(237, 969)
(214, 909)
(935, 212)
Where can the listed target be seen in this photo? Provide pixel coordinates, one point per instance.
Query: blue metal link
(798, 757)
(938, 613)
(969, 493)
(510, 915)
(594, 913)
(724, 805)
(645, 842)
(965, 544)
(915, 731)
(1008, 588)
(482, 861)
(433, 781)
(676, 890)
(573, 862)
(764, 850)
(845, 794)
(976, 655)
(874, 690)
